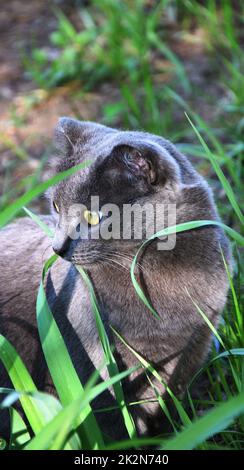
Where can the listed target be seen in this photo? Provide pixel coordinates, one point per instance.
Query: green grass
(118, 44)
(73, 414)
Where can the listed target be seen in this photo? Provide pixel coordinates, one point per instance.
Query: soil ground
(28, 115)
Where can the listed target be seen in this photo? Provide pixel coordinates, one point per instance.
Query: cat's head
(95, 212)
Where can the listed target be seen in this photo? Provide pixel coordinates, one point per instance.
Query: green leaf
(56, 432)
(64, 376)
(10, 211)
(183, 415)
(234, 296)
(19, 432)
(110, 360)
(47, 404)
(225, 354)
(169, 231)
(206, 319)
(22, 381)
(225, 183)
(212, 423)
(39, 222)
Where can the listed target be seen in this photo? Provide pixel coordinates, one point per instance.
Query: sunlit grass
(127, 63)
(53, 432)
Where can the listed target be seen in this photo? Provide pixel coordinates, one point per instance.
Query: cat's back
(24, 248)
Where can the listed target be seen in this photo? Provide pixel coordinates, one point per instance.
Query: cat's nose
(60, 246)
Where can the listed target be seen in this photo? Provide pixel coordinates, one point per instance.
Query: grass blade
(183, 415)
(39, 222)
(206, 319)
(10, 211)
(48, 406)
(212, 423)
(234, 296)
(55, 433)
(64, 376)
(22, 381)
(230, 353)
(169, 231)
(19, 432)
(225, 183)
(111, 363)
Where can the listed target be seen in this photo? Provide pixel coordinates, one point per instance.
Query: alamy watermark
(126, 222)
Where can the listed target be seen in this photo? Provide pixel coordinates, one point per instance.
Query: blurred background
(134, 64)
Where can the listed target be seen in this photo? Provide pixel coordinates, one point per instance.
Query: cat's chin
(85, 264)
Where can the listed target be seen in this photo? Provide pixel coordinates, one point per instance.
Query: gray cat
(127, 167)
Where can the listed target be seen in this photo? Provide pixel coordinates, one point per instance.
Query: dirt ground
(28, 115)
(23, 24)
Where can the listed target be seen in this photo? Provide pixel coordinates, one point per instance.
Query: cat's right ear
(66, 134)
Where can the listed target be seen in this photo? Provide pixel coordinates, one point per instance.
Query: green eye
(56, 207)
(92, 217)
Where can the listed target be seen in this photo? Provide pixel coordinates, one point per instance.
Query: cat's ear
(67, 132)
(130, 161)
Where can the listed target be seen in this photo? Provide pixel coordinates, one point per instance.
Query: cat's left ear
(66, 134)
(131, 161)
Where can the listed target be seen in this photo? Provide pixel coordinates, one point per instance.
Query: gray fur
(178, 344)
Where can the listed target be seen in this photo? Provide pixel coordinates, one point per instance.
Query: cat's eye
(92, 217)
(56, 207)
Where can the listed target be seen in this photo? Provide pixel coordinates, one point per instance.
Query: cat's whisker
(113, 261)
(126, 257)
(110, 262)
(129, 257)
(91, 257)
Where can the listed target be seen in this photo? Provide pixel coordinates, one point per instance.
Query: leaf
(39, 222)
(227, 354)
(55, 433)
(234, 296)
(111, 363)
(225, 183)
(169, 231)
(47, 404)
(22, 381)
(183, 415)
(63, 373)
(206, 319)
(10, 211)
(205, 427)
(19, 432)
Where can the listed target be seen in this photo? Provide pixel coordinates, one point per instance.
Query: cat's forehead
(76, 140)
(85, 141)
(80, 141)
(91, 145)
(88, 143)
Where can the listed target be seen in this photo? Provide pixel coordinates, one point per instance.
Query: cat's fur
(179, 343)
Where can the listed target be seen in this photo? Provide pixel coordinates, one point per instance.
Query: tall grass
(52, 421)
(118, 44)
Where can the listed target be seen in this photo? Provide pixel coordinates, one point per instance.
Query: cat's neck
(116, 291)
